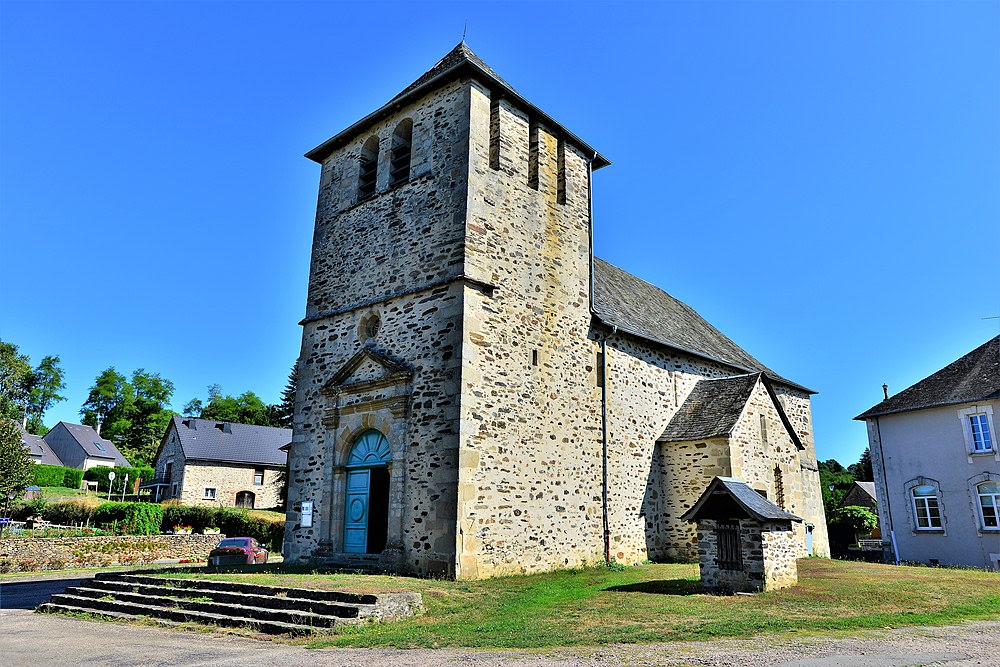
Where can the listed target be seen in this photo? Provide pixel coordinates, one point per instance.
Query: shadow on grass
(661, 587)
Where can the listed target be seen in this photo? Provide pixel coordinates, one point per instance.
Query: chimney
(24, 422)
(885, 390)
(98, 429)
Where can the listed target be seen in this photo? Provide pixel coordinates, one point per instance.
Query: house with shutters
(478, 394)
(937, 464)
(208, 462)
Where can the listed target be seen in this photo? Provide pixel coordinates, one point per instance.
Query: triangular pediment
(366, 370)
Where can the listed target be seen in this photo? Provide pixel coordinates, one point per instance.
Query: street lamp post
(6, 510)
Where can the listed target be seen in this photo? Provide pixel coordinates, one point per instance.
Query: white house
(937, 466)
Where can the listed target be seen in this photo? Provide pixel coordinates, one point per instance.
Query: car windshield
(232, 542)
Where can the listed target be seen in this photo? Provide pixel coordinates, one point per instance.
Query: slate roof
(711, 409)
(94, 445)
(644, 310)
(714, 406)
(40, 449)
(754, 504)
(459, 61)
(210, 440)
(974, 377)
(867, 487)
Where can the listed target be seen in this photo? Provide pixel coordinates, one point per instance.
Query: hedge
(231, 521)
(48, 475)
(100, 474)
(150, 519)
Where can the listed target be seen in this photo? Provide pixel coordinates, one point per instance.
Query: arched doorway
(245, 499)
(366, 506)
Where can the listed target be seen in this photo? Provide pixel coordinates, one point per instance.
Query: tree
(133, 414)
(859, 520)
(833, 474)
(285, 410)
(25, 392)
(43, 387)
(862, 470)
(17, 470)
(247, 408)
(15, 370)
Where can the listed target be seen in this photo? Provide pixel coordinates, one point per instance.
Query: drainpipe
(885, 483)
(604, 443)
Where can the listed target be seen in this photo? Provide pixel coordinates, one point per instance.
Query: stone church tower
(477, 394)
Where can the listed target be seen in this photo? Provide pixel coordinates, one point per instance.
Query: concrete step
(125, 609)
(271, 601)
(51, 608)
(253, 612)
(254, 589)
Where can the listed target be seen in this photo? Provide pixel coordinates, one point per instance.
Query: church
(478, 394)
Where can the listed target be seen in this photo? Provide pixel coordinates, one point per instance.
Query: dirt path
(43, 640)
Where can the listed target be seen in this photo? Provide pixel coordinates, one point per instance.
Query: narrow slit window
(368, 168)
(399, 167)
(534, 357)
(561, 171)
(600, 369)
(763, 428)
(494, 131)
(533, 156)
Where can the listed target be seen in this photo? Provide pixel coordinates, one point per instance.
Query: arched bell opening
(366, 519)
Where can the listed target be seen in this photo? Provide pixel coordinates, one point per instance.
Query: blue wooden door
(356, 519)
(809, 539)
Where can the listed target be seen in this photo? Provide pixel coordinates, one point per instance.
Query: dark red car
(238, 551)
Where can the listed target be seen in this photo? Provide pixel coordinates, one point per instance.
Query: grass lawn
(650, 603)
(63, 493)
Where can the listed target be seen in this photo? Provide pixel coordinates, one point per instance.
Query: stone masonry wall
(755, 457)
(228, 479)
(191, 478)
(780, 549)
(798, 409)
(396, 257)
(530, 466)
(649, 492)
(769, 553)
(171, 454)
(56, 553)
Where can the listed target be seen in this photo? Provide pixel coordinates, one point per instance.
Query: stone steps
(266, 609)
(280, 600)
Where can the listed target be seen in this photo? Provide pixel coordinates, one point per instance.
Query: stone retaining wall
(55, 553)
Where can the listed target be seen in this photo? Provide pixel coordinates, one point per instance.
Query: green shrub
(46, 475)
(143, 518)
(107, 514)
(69, 512)
(859, 520)
(73, 478)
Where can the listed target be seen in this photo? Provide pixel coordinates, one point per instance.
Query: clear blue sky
(821, 181)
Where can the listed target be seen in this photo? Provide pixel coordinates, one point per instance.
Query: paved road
(46, 640)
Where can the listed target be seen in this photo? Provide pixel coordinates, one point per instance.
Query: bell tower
(449, 295)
